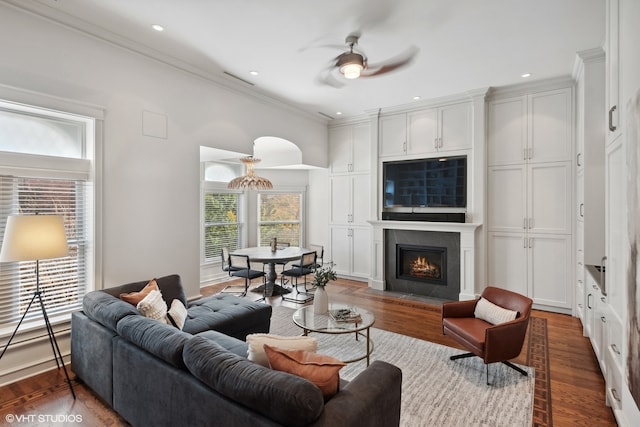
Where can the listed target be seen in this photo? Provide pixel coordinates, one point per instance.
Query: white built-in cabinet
(612, 47)
(350, 193)
(428, 131)
(530, 196)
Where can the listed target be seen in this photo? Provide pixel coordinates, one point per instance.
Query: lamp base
(52, 338)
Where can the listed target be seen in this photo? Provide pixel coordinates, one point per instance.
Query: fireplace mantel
(467, 250)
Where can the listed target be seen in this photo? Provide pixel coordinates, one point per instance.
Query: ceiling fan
(354, 64)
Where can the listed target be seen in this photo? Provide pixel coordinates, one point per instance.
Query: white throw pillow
(153, 306)
(177, 314)
(256, 344)
(494, 314)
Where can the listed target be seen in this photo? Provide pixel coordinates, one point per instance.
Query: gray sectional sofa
(152, 373)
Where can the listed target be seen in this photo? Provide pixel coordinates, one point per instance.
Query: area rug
(435, 390)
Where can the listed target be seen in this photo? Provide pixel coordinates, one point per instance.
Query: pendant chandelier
(250, 179)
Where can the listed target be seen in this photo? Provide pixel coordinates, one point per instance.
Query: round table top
(324, 323)
(264, 253)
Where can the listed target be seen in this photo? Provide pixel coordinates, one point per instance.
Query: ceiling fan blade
(391, 64)
(327, 78)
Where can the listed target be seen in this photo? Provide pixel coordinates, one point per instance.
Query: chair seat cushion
(251, 274)
(468, 330)
(297, 272)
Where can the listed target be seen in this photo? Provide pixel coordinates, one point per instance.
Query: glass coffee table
(309, 321)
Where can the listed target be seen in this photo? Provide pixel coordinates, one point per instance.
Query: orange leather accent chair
(492, 343)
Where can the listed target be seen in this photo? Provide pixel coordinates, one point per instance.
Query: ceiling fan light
(351, 71)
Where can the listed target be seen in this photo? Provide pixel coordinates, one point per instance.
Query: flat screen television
(435, 182)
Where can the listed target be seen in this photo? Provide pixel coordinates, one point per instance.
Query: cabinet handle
(580, 305)
(524, 242)
(530, 242)
(589, 301)
(524, 154)
(603, 319)
(615, 349)
(612, 128)
(581, 210)
(578, 159)
(524, 223)
(614, 393)
(603, 299)
(530, 153)
(435, 143)
(530, 223)
(404, 147)
(441, 144)
(595, 287)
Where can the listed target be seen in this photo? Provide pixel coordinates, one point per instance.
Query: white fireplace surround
(467, 233)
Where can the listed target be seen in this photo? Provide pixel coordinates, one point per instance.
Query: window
(221, 224)
(48, 174)
(279, 216)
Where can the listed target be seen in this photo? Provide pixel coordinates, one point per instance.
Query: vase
(320, 301)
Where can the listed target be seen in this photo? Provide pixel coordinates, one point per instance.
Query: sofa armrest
(504, 341)
(371, 399)
(459, 308)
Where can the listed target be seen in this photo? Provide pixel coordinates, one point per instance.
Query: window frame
(301, 220)
(19, 165)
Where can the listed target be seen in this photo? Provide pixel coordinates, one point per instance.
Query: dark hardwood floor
(577, 386)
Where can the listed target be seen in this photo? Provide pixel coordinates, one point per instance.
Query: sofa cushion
(177, 314)
(256, 344)
(153, 307)
(134, 298)
(160, 339)
(285, 398)
(320, 369)
(494, 314)
(170, 286)
(230, 344)
(106, 309)
(228, 314)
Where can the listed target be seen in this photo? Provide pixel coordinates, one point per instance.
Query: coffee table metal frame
(309, 321)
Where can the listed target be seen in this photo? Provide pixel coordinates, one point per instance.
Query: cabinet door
(393, 135)
(361, 147)
(341, 249)
(340, 199)
(550, 126)
(360, 194)
(617, 238)
(454, 123)
(506, 198)
(580, 195)
(507, 131)
(549, 206)
(361, 249)
(612, 47)
(550, 270)
(340, 149)
(507, 261)
(423, 131)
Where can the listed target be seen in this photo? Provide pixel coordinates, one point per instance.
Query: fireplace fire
(422, 263)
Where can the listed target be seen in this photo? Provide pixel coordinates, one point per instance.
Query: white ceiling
(463, 44)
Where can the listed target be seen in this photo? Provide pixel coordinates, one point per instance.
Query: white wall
(150, 203)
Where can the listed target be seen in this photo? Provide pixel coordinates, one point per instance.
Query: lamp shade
(250, 179)
(33, 237)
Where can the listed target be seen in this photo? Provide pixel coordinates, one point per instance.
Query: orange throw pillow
(135, 297)
(321, 370)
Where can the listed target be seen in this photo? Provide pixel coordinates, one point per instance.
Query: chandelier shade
(250, 180)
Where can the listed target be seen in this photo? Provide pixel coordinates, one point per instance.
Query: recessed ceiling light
(157, 27)
(253, 73)
(338, 113)
(415, 98)
(525, 75)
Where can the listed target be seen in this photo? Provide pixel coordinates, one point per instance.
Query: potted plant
(321, 277)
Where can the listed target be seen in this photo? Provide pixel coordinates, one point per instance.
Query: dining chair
(241, 267)
(226, 265)
(304, 267)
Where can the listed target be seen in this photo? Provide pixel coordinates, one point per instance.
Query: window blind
(221, 225)
(280, 217)
(63, 281)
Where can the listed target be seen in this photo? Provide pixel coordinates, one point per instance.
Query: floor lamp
(29, 238)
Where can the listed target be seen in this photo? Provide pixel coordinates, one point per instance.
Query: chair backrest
(509, 300)
(225, 256)
(308, 260)
(239, 261)
(319, 250)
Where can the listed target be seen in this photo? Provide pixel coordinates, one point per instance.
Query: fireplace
(422, 263)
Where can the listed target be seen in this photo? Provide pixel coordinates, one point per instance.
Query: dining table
(265, 255)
